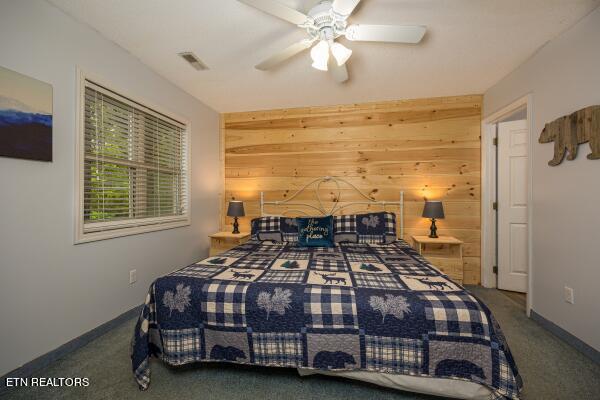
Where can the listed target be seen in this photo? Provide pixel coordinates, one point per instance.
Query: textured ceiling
(469, 46)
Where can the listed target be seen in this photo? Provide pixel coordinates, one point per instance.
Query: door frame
(488, 193)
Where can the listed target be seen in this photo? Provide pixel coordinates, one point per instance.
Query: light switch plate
(569, 296)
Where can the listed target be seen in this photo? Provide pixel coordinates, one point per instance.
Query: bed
(373, 311)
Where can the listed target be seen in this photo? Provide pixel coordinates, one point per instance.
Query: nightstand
(444, 252)
(223, 241)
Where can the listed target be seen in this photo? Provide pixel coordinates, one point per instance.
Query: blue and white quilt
(355, 306)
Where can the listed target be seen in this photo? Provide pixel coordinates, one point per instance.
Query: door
(513, 196)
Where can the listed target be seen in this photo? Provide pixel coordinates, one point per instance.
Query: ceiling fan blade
(278, 10)
(338, 72)
(284, 54)
(386, 33)
(344, 7)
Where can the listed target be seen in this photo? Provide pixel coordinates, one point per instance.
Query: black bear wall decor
(569, 131)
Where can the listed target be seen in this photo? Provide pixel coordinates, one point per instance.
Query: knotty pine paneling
(430, 148)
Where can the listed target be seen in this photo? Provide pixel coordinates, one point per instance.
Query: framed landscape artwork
(25, 117)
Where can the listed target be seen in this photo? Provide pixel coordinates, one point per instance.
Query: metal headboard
(336, 206)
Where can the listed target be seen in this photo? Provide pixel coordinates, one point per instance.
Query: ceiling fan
(324, 23)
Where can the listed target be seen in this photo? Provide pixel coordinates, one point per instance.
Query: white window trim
(122, 228)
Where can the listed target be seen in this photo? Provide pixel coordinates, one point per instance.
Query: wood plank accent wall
(430, 148)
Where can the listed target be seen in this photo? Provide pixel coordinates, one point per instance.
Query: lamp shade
(340, 52)
(235, 209)
(320, 55)
(433, 209)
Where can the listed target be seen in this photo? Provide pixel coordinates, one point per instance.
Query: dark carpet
(551, 369)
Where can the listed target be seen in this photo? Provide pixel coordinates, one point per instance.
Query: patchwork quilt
(355, 306)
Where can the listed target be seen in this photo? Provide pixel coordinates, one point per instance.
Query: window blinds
(134, 164)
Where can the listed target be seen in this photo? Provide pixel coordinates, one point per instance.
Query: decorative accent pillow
(276, 229)
(315, 231)
(375, 228)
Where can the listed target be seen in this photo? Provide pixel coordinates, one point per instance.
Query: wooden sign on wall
(569, 131)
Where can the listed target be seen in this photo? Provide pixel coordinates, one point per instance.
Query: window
(132, 167)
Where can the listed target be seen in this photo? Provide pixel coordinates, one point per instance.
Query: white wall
(563, 77)
(52, 291)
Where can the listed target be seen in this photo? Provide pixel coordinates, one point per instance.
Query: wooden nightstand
(223, 241)
(444, 252)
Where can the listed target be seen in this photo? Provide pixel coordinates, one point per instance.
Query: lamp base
(433, 229)
(236, 226)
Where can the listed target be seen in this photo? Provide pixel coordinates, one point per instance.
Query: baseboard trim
(580, 345)
(44, 360)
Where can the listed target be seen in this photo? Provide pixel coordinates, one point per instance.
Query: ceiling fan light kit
(326, 22)
(320, 54)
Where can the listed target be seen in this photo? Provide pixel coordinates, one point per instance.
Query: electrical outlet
(569, 296)
(132, 276)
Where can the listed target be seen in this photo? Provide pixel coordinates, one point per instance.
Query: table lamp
(235, 210)
(433, 210)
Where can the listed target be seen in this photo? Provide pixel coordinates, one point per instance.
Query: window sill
(128, 231)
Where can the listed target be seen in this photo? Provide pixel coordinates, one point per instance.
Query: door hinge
(495, 206)
(496, 141)
(495, 269)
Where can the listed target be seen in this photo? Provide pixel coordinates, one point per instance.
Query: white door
(513, 195)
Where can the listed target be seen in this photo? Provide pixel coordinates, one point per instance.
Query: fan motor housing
(324, 23)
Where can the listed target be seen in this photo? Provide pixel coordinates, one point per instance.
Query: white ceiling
(469, 46)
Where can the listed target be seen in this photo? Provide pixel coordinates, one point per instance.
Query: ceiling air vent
(193, 60)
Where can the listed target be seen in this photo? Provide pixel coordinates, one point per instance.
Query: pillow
(315, 231)
(276, 229)
(374, 228)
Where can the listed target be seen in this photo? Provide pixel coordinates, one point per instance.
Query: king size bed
(369, 307)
